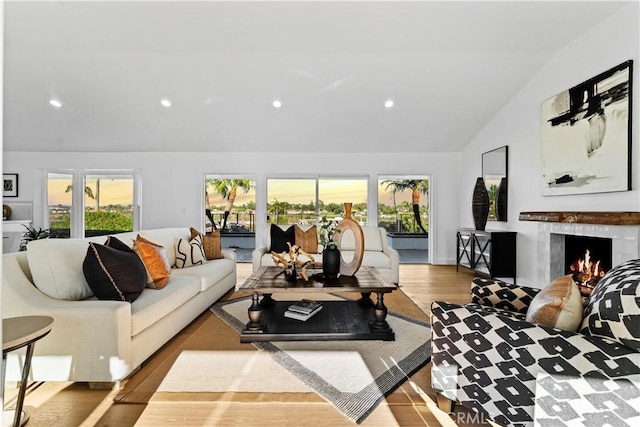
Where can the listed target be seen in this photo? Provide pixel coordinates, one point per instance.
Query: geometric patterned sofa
(487, 357)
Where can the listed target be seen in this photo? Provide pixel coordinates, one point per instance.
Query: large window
(303, 200)
(105, 205)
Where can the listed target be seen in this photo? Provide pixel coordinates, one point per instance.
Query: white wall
(172, 183)
(612, 42)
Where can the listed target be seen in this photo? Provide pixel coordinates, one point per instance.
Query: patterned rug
(354, 376)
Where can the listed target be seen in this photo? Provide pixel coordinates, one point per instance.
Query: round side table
(18, 332)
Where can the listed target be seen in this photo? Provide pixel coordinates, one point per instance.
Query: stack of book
(303, 310)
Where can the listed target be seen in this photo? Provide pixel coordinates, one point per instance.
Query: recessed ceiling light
(277, 103)
(165, 103)
(388, 103)
(55, 103)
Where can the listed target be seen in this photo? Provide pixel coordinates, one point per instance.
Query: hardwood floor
(75, 404)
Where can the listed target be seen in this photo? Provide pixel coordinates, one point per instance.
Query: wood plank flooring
(75, 404)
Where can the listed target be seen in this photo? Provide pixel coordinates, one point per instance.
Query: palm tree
(417, 187)
(228, 189)
(89, 193)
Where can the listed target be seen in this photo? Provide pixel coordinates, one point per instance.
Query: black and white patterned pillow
(190, 252)
(502, 295)
(614, 307)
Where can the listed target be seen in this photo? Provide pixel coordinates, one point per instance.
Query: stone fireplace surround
(623, 228)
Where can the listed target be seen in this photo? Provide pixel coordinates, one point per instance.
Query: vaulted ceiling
(448, 67)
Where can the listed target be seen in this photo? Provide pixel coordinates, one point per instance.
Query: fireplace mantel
(600, 218)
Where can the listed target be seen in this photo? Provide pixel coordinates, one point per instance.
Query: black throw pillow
(114, 271)
(280, 237)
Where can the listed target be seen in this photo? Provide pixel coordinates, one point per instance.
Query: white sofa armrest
(256, 256)
(229, 254)
(107, 353)
(394, 256)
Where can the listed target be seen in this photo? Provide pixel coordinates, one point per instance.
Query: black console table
(489, 253)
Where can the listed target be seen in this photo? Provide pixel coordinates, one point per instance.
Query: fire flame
(586, 273)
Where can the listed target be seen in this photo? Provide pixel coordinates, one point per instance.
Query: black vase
(501, 201)
(331, 262)
(480, 204)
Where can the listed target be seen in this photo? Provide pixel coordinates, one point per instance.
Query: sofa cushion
(114, 271)
(306, 239)
(558, 305)
(613, 310)
(280, 238)
(211, 244)
(154, 304)
(154, 258)
(372, 240)
(210, 273)
(190, 252)
(370, 259)
(56, 268)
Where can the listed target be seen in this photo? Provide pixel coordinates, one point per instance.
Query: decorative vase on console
(348, 223)
(501, 200)
(480, 204)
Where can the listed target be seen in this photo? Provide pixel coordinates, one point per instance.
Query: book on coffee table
(304, 306)
(292, 314)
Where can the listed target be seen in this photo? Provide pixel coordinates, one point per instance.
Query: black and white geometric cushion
(502, 295)
(613, 310)
(494, 364)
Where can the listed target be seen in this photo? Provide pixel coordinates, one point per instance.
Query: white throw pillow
(558, 305)
(56, 268)
(190, 252)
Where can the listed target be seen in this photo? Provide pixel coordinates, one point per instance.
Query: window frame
(79, 176)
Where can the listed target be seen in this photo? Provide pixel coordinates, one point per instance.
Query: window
(230, 204)
(302, 200)
(59, 203)
(107, 204)
(291, 201)
(403, 204)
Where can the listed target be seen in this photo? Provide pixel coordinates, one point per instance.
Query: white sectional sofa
(101, 340)
(377, 252)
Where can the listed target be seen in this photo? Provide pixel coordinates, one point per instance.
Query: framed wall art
(10, 185)
(585, 138)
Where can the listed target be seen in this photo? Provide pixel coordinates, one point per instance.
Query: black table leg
(380, 314)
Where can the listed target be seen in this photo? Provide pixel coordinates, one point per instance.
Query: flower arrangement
(327, 231)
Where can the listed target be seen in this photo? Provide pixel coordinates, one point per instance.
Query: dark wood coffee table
(338, 320)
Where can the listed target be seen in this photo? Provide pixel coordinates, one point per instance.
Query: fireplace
(624, 245)
(587, 259)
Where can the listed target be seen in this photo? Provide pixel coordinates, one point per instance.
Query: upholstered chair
(495, 356)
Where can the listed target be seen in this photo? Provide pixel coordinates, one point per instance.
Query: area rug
(354, 376)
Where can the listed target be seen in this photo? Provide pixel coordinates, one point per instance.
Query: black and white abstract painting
(586, 136)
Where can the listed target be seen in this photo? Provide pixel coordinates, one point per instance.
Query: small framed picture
(10, 185)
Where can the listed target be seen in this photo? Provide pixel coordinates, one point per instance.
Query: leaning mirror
(494, 172)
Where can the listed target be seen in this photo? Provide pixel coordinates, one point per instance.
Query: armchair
(487, 357)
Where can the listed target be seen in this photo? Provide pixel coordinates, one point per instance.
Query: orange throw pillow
(307, 240)
(211, 244)
(155, 261)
